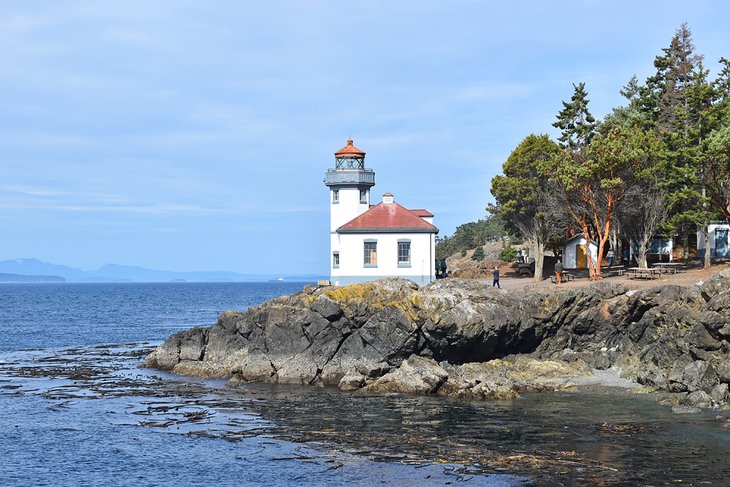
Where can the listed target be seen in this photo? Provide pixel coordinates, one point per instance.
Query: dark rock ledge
(461, 338)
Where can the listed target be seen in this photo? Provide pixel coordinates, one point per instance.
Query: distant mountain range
(34, 270)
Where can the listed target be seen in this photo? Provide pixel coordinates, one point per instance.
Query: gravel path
(686, 277)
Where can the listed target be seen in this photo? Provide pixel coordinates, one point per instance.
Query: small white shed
(575, 253)
(718, 236)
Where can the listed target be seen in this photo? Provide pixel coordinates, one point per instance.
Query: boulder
(698, 398)
(723, 371)
(351, 382)
(699, 375)
(720, 394)
(416, 375)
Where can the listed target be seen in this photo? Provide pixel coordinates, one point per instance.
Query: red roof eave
(388, 218)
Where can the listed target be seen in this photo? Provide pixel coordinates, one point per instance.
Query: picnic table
(668, 267)
(614, 271)
(643, 273)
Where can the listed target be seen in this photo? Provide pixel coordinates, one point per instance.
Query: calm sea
(76, 409)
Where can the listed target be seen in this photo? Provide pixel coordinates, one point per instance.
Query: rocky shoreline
(460, 338)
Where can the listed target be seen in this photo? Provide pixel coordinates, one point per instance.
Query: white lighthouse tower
(349, 183)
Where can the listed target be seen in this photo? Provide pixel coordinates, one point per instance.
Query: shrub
(478, 254)
(508, 254)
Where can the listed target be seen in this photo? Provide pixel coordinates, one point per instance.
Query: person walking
(558, 271)
(495, 276)
(609, 257)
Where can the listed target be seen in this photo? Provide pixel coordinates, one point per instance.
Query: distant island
(9, 278)
(34, 270)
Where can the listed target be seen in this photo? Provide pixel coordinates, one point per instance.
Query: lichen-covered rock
(392, 335)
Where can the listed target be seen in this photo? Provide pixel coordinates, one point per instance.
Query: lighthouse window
(404, 253)
(335, 260)
(363, 196)
(335, 196)
(371, 253)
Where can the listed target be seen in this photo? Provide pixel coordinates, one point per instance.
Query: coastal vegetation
(658, 165)
(471, 236)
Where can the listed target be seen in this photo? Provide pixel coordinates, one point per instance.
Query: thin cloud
(154, 209)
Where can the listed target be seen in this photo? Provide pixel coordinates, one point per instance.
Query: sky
(194, 135)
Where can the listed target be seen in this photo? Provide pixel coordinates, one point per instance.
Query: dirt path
(686, 277)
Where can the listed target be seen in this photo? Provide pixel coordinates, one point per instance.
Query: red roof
(422, 213)
(388, 218)
(349, 150)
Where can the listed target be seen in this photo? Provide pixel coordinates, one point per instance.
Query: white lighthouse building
(371, 241)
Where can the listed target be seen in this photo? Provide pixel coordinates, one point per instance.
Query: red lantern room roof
(349, 151)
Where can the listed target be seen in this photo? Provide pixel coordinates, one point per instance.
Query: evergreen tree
(572, 170)
(717, 176)
(717, 147)
(677, 99)
(575, 122)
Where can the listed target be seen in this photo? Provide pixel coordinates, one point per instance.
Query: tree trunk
(641, 257)
(706, 234)
(589, 258)
(538, 249)
(601, 246)
(614, 242)
(685, 244)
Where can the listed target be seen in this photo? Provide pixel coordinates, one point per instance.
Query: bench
(640, 273)
(668, 267)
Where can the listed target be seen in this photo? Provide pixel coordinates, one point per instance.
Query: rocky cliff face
(461, 338)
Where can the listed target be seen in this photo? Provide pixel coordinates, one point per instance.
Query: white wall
(569, 255)
(711, 233)
(349, 206)
(352, 267)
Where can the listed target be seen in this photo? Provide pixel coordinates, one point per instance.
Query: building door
(581, 260)
(721, 249)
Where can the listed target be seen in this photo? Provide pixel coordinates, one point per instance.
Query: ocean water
(76, 409)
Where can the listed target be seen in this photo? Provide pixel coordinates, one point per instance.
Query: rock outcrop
(461, 338)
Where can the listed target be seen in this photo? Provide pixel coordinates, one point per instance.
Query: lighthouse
(372, 241)
(349, 183)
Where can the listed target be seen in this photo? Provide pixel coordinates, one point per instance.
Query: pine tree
(575, 122)
(678, 96)
(716, 150)
(572, 169)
